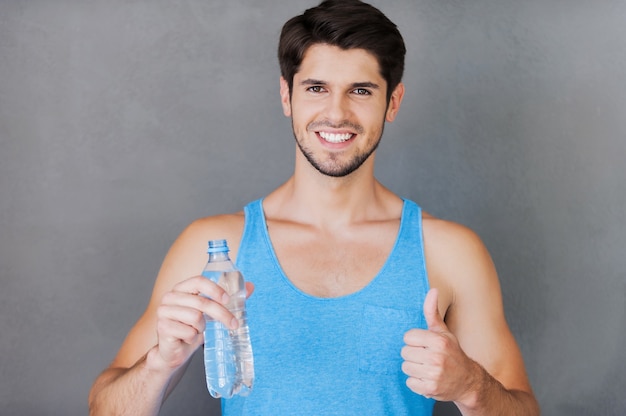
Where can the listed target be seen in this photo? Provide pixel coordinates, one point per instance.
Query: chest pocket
(381, 337)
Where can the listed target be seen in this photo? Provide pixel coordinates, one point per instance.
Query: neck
(326, 202)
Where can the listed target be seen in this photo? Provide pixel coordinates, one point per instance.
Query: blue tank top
(331, 356)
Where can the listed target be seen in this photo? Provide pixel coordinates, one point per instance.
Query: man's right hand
(181, 321)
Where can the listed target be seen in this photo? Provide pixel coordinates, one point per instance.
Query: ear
(285, 99)
(394, 103)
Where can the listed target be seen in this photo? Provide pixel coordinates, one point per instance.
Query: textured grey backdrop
(123, 120)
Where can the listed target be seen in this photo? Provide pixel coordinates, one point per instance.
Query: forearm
(489, 397)
(139, 390)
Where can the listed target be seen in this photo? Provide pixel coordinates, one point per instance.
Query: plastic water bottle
(228, 361)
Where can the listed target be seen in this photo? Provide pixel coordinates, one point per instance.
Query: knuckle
(211, 289)
(430, 391)
(405, 368)
(214, 310)
(161, 326)
(442, 343)
(418, 386)
(437, 373)
(189, 335)
(412, 384)
(410, 336)
(409, 368)
(161, 311)
(198, 316)
(438, 361)
(446, 342)
(205, 305)
(167, 298)
(405, 353)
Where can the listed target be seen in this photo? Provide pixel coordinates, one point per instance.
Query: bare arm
(471, 357)
(139, 390)
(157, 350)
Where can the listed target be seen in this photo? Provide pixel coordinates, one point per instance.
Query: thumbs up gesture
(434, 362)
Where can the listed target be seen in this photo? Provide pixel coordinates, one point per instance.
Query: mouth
(335, 137)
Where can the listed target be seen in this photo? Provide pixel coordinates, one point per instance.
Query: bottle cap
(217, 246)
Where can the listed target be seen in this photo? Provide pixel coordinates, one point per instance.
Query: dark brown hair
(347, 24)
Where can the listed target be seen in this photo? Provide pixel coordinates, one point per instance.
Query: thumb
(249, 289)
(431, 312)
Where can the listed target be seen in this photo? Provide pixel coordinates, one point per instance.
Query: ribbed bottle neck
(219, 256)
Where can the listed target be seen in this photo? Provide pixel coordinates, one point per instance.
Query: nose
(337, 108)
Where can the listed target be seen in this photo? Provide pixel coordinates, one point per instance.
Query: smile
(335, 137)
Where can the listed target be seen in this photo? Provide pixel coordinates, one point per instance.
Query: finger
(189, 309)
(414, 354)
(419, 371)
(201, 285)
(431, 312)
(421, 386)
(411, 369)
(191, 317)
(175, 331)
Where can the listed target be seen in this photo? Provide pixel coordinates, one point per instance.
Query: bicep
(478, 322)
(138, 342)
(475, 314)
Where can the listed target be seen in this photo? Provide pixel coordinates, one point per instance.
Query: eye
(315, 89)
(362, 91)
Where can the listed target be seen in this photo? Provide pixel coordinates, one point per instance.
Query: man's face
(338, 107)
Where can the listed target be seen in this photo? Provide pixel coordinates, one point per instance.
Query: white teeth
(335, 138)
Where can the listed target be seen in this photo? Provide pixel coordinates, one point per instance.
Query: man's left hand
(433, 359)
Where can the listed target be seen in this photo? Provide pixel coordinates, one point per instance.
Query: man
(362, 303)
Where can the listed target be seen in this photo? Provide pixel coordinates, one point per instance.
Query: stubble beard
(333, 167)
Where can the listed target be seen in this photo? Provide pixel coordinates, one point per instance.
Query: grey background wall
(121, 121)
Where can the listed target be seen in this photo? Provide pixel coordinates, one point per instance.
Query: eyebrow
(367, 84)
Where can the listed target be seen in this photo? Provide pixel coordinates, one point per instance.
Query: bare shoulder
(456, 259)
(448, 238)
(224, 226)
(187, 254)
